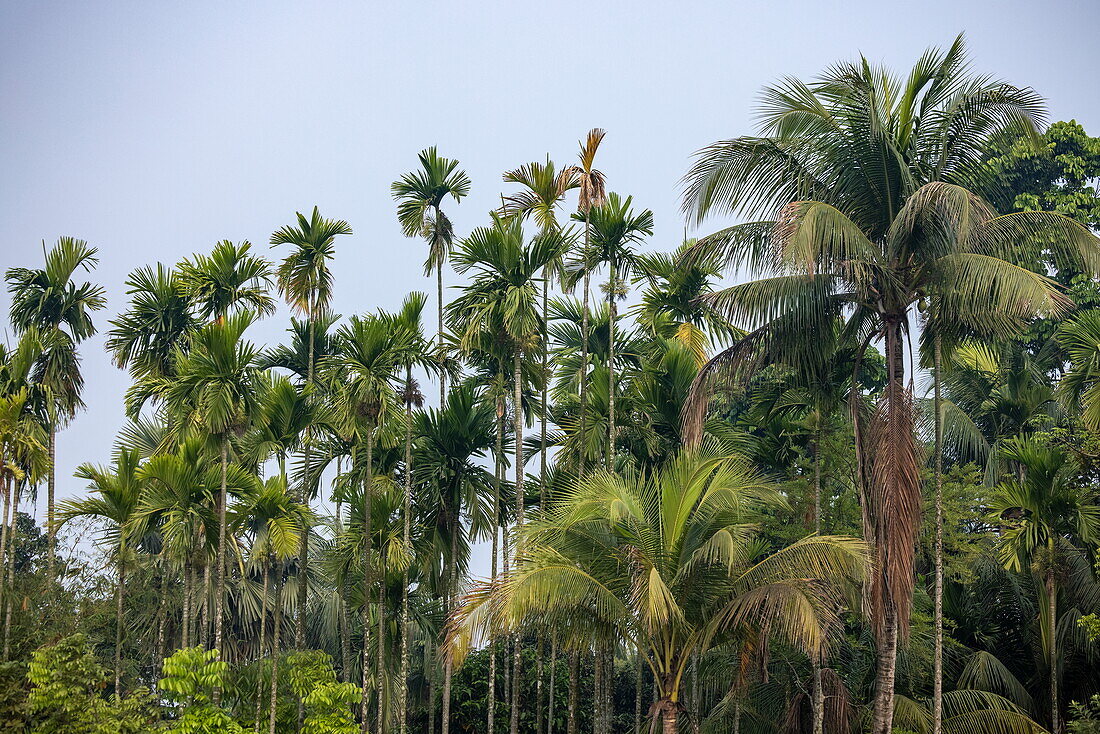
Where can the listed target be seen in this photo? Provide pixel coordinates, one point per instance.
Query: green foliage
(190, 677)
(1086, 717)
(327, 702)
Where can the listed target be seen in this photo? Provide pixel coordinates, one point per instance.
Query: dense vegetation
(855, 486)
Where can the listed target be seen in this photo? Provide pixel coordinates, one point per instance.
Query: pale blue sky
(154, 129)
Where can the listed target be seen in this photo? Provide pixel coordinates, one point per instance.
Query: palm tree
(1044, 514)
(117, 492)
(593, 192)
(614, 228)
(420, 195)
(216, 392)
(305, 282)
(275, 521)
(146, 337)
(1079, 388)
(865, 180)
(49, 300)
(370, 354)
(229, 278)
(671, 563)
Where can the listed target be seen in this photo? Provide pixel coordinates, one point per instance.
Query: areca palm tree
(229, 278)
(593, 192)
(117, 492)
(614, 229)
(216, 391)
(305, 282)
(49, 300)
(1043, 514)
(145, 337)
(858, 184)
(420, 195)
(672, 564)
(369, 356)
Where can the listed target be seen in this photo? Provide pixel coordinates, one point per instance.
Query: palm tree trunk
(669, 718)
(162, 616)
(817, 714)
(203, 633)
(452, 602)
(538, 685)
(498, 471)
(51, 486)
(542, 477)
(403, 688)
(13, 542)
(379, 651)
(185, 633)
(263, 639)
(219, 599)
(553, 670)
(6, 480)
(887, 656)
(439, 313)
(1052, 641)
(517, 647)
(303, 546)
(819, 701)
(119, 591)
(597, 690)
(430, 672)
(612, 309)
(937, 659)
(574, 675)
(638, 690)
(277, 625)
(584, 347)
(364, 704)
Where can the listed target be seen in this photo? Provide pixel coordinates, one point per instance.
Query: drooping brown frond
(893, 504)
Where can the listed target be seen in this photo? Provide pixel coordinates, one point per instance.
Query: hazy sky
(154, 129)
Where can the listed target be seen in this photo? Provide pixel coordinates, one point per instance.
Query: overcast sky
(154, 129)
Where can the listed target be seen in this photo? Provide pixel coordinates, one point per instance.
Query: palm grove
(850, 487)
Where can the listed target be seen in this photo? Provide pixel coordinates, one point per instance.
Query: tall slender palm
(671, 563)
(117, 492)
(615, 228)
(275, 520)
(1041, 514)
(593, 192)
(216, 391)
(229, 278)
(369, 356)
(865, 178)
(50, 300)
(305, 282)
(145, 338)
(420, 195)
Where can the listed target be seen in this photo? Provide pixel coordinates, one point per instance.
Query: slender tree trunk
(553, 672)
(1052, 641)
(379, 651)
(597, 690)
(8, 516)
(937, 658)
(368, 488)
(185, 633)
(439, 313)
(817, 717)
(406, 537)
(428, 656)
(887, 655)
(162, 609)
(307, 450)
(452, 602)
(584, 347)
(14, 542)
(819, 701)
(538, 685)
(203, 633)
(542, 473)
(277, 626)
(263, 640)
(612, 310)
(497, 477)
(119, 620)
(51, 486)
(219, 599)
(574, 676)
(517, 660)
(638, 671)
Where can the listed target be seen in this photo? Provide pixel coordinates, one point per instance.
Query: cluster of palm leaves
(671, 495)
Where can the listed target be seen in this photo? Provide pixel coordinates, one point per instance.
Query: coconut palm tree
(859, 187)
(216, 391)
(1043, 515)
(305, 282)
(420, 195)
(49, 300)
(671, 563)
(369, 355)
